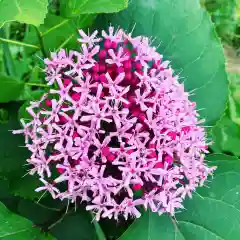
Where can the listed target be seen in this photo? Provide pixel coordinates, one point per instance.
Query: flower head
(117, 122)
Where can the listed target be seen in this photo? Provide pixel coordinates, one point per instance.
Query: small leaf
(10, 88)
(212, 214)
(24, 11)
(70, 8)
(14, 227)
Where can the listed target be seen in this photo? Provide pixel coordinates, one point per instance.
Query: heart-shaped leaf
(212, 214)
(75, 226)
(15, 227)
(25, 11)
(70, 8)
(187, 38)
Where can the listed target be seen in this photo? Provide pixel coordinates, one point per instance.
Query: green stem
(36, 85)
(7, 56)
(18, 43)
(40, 39)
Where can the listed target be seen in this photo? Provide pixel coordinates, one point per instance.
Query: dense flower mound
(116, 130)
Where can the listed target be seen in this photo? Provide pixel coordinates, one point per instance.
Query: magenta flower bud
(169, 160)
(76, 96)
(95, 68)
(128, 76)
(138, 66)
(48, 102)
(114, 45)
(102, 78)
(137, 187)
(95, 76)
(107, 43)
(120, 70)
(127, 65)
(102, 53)
(102, 67)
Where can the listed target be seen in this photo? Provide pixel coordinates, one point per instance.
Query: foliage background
(30, 30)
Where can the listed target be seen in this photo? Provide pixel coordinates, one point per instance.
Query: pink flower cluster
(116, 130)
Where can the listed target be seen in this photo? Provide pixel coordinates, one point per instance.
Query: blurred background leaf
(25, 11)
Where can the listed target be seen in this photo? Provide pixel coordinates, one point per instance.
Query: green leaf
(25, 187)
(99, 231)
(10, 88)
(29, 95)
(38, 214)
(13, 157)
(234, 98)
(212, 214)
(7, 54)
(188, 40)
(223, 15)
(75, 226)
(226, 136)
(58, 32)
(151, 226)
(14, 227)
(24, 11)
(70, 8)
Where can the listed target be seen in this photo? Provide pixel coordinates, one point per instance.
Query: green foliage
(226, 133)
(69, 8)
(189, 41)
(63, 31)
(226, 136)
(151, 226)
(14, 227)
(204, 214)
(76, 225)
(10, 88)
(36, 213)
(25, 11)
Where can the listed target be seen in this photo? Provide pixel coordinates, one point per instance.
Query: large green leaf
(10, 88)
(75, 7)
(14, 227)
(25, 11)
(13, 157)
(212, 214)
(151, 226)
(75, 226)
(58, 32)
(188, 39)
(38, 214)
(13, 154)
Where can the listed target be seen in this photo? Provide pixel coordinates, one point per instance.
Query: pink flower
(116, 58)
(116, 120)
(90, 40)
